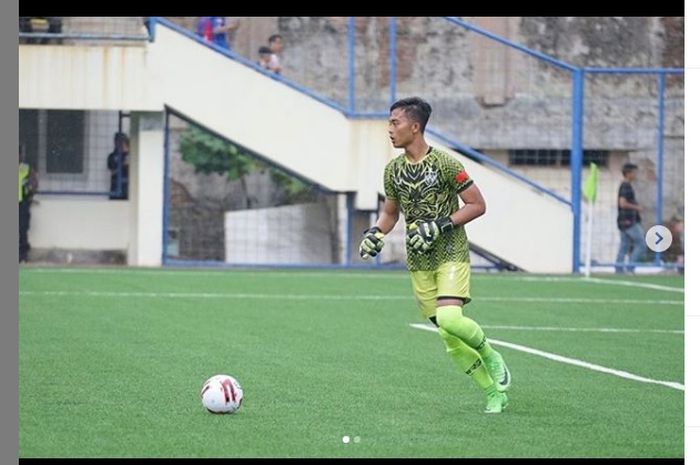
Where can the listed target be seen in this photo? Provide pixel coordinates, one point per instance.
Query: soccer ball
(222, 394)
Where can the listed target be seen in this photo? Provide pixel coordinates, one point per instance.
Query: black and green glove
(372, 243)
(423, 234)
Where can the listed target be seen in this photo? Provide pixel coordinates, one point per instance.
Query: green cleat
(496, 402)
(498, 370)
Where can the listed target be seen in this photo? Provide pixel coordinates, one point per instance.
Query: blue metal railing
(494, 164)
(576, 164)
(499, 39)
(660, 155)
(633, 70)
(351, 65)
(392, 60)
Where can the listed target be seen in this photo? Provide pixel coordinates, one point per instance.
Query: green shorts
(451, 279)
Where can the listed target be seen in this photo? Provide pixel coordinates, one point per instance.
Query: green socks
(467, 359)
(450, 319)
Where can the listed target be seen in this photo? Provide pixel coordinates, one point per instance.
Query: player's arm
(474, 206)
(421, 236)
(389, 216)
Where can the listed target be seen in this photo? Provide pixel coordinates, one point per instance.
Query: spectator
(264, 54)
(629, 221)
(276, 45)
(215, 29)
(118, 164)
(28, 185)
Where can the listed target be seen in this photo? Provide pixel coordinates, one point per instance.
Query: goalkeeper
(424, 183)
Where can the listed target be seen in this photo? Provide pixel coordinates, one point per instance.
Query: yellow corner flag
(590, 188)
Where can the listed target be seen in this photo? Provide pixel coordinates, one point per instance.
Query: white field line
(364, 274)
(584, 330)
(570, 361)
(407, 296)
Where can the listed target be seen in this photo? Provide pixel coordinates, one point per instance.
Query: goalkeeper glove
(422, 234)
(372, 243)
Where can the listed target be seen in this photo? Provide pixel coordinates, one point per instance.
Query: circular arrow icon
(659, 238)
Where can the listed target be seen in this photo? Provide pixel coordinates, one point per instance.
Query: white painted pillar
(146, 167)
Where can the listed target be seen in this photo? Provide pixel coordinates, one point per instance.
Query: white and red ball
(222, 394)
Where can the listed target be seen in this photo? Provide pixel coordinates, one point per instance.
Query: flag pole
(590, 239)
(590, 190)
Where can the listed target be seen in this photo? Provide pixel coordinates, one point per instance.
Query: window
(69, 148)
(64, 141)
(29, 136)
(53, 139)
(549, 157)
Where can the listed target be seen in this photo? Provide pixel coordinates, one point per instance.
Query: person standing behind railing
(216, 29)
(276, 45)
(118, 165)
(264, 55)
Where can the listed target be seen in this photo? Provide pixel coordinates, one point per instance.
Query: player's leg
(453, 291)
(23, 227)
(466, 359)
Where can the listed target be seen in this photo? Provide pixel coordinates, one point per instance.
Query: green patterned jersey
(426, 191)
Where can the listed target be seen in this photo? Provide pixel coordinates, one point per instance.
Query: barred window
(549, 157)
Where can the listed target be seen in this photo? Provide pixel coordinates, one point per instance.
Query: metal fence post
(660, 157)
(166, 188)
(392, 60)
(576, 163)
(351, 64)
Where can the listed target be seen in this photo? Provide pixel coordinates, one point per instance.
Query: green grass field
(111, 362)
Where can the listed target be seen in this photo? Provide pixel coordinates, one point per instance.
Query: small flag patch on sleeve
(461, 176)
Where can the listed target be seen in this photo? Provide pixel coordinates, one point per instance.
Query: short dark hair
(627, 167)
(416, 108)
(119, 137)
(264, 50)
(273, 38)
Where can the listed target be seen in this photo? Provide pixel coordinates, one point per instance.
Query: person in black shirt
(118, 164)
(629, 221)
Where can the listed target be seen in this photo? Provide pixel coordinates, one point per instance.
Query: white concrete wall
(79, 77)
(79, 223)
(146, 186)
(279, 235)
(371, 150)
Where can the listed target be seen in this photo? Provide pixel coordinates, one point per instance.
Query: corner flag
(590, 188)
